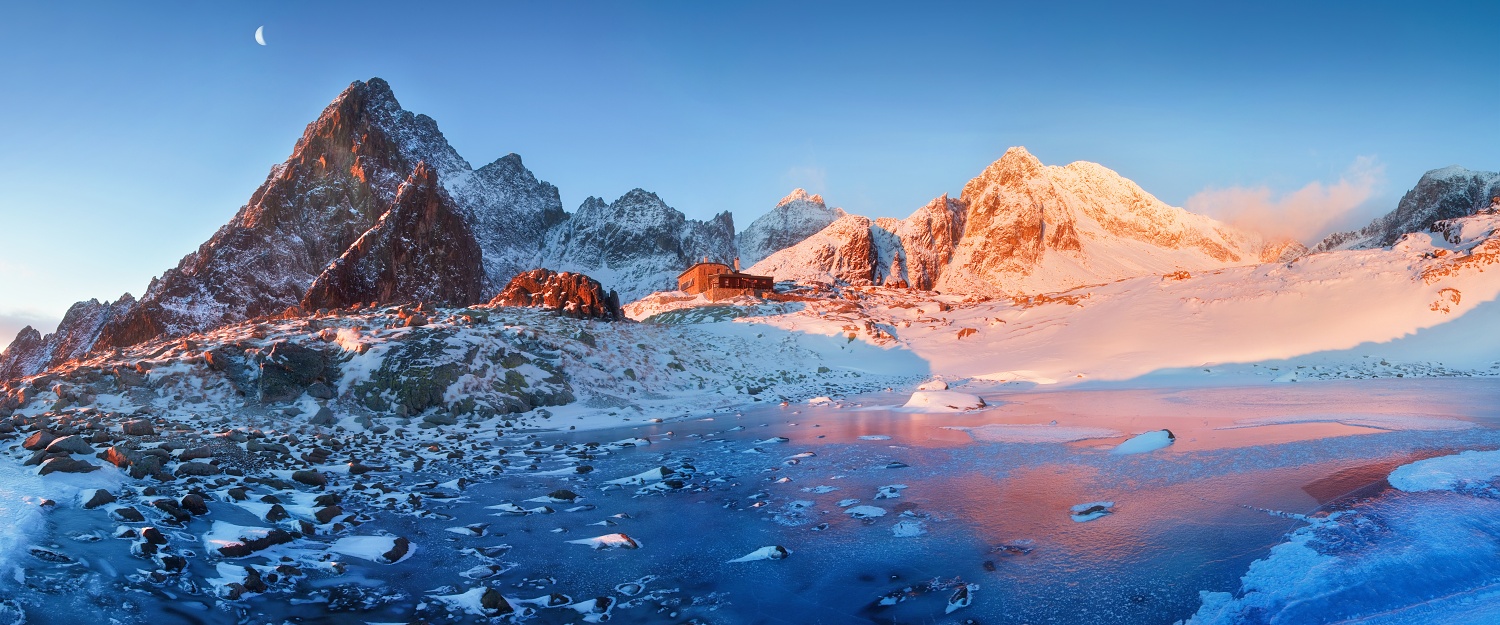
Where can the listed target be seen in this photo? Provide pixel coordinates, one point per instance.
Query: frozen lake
(945, 508)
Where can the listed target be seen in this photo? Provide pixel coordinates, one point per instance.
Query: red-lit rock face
(420, 250)
(571, 294)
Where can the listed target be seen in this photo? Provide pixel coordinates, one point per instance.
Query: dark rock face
(571, 294)
(1441, 194)
(289, 369)
(420, 250)
(637, 240)
(344, 172)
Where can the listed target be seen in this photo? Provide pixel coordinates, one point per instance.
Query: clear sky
(130, 131)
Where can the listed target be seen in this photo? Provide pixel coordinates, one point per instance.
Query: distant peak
(800, 195)
(1018, 156)
(638, 195)
(1016, 164)
(1451, 171)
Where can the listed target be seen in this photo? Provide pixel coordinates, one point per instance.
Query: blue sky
(129, 133)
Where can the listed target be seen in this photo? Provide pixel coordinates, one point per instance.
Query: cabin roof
(697, 265)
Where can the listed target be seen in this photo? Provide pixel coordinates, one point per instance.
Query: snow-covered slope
(795, 218)
(1441, 194)
(510, 212)
(636, 244)
(1340, 306)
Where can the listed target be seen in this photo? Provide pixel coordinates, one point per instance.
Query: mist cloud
(1307, 214)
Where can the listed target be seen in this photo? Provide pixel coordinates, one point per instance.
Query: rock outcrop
(420, 250)
(75, 336)
(571, 294)
(795, 218)
(1446, 193)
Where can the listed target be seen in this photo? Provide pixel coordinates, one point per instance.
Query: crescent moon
(260, 35)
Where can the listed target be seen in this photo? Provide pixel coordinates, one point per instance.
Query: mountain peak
(1015, 165)
(801, 195)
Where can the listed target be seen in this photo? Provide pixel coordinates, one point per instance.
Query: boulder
(288, 370)
(97, 497)
(310, 478)
(128, 514)
(38, 440)
(70, 445)
(137, 427)
(196, 469)
(66, 465)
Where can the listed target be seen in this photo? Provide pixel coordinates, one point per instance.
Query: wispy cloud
(1305, 215)
(811, 177)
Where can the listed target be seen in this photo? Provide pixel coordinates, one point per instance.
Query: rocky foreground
(260, 458)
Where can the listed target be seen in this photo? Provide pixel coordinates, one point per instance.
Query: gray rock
(138, 427)
(128, 514)
(324, 417)
(196, 469)
(66, 465)
(310, 478)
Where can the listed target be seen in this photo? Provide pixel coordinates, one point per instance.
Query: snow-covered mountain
(332, 226)
(796, 217)
(636, 244)
(324, 206)
(1022, 227)
(1445, 193)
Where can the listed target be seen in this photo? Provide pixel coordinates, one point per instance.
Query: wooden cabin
(719, 281)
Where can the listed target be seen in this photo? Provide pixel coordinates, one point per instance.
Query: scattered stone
(310, 478)
(66, 465)
(128, 514)
(194, 504)
(38, 440)
(70, 445)
(138, 427)
(96, 497)
(196, 469)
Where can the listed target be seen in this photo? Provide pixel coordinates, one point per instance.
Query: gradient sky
(129, 133)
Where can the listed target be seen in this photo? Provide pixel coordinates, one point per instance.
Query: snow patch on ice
(1447, 472)
(1145, 443)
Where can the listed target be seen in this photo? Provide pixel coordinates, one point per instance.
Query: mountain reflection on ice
(1190, 517)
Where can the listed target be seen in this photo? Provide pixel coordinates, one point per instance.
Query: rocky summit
(797, 216)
